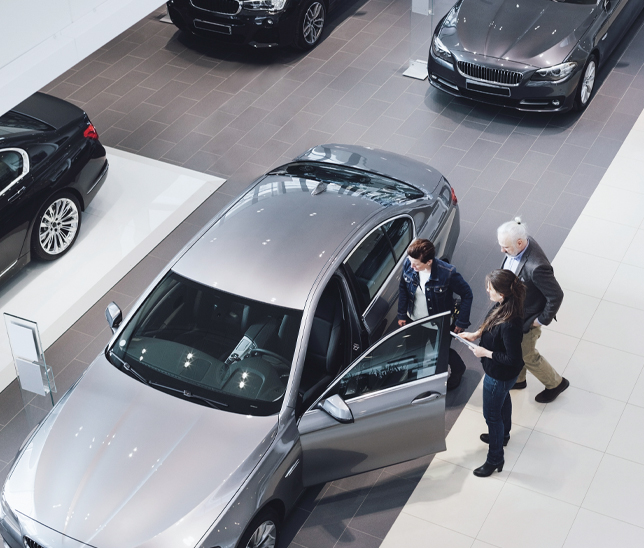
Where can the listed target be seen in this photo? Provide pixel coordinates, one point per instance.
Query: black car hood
(535, 32)
(50, 110)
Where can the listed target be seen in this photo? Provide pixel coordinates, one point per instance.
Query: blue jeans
(497, 410)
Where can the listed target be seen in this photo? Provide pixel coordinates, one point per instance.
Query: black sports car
(258, 23)
(51, 167)
(538, 55)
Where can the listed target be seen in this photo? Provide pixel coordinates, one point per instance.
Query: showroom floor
(234, 114)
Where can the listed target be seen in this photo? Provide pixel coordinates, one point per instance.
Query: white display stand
(34, 374)
(422, 26)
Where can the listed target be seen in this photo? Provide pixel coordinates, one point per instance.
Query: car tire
(56, 227)
(263, 531)
(586, 84)
(310, 25)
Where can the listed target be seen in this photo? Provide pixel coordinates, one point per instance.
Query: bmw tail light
(454, 198)
(90, 132)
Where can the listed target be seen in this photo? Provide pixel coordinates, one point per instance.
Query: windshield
(211, 347)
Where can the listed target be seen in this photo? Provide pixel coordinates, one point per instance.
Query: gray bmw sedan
(262, 360)
(532, 55)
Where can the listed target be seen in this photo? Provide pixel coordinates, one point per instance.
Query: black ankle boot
(487, 469)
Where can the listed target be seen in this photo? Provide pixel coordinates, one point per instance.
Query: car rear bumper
(527, 96)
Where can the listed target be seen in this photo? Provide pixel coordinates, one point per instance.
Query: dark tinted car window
(583, 2)
(10, 167)
(14, 122)
(199, 342)
(374, 259)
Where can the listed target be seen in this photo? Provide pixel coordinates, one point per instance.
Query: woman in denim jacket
(427, 287)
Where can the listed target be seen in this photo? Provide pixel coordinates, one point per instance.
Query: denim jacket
(443, 282)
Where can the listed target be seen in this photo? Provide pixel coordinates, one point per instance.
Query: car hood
(539, 33)
(117, 463)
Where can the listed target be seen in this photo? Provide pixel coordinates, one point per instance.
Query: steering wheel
(263, 351)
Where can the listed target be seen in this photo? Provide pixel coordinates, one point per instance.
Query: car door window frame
(370, 305)
(359, 359)
(25, 168)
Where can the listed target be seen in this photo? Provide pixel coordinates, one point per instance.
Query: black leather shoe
(519, 385)
(453, 382)
(550, 394)
(488, 469)
(485, 438)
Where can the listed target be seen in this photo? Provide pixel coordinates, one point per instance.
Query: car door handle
(17, 195)
(426, 397)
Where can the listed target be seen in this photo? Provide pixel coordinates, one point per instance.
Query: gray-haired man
(526, 259)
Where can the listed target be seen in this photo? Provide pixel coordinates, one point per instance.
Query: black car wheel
(262, 531)
(56, 227)
(586, 84)
(311, 24)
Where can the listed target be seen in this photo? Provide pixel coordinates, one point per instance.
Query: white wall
(41, 39)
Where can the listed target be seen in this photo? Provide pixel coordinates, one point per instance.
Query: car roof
(273, 243)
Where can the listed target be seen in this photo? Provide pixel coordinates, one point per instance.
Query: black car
(258, 23)
(533, 55)
(51, 167)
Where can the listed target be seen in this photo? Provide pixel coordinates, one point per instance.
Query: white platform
(141, 202)
(574, 468)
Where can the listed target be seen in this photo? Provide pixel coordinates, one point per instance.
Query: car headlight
(6, 510)
(556, 73)
(264, 5)
(440, 51)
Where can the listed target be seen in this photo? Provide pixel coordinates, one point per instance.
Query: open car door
(387, 407)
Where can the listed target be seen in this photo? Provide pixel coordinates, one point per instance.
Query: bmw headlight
(557, 73)
(440, 51)
(264, 5)
(6, 510)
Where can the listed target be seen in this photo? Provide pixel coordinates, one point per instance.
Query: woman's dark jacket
(504, 340)
(443, 282)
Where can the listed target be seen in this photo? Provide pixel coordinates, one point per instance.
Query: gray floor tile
(202, 87)
(143, 135)
(430, 142)
(585, 180)
(480, 154)
(156, 149)
(495, 174)
(454, 117)
(516, 147)
(584, 133)
(140, 277)
(616, 84)
(533, 214)
(380, 131)
(446, 158)
(87, 73)
(632, 102)
(566, 210)
(551, 139)
(474, 203)
(602, 152)
(465, 135)
(549, 187)
(551, 238)
(511, 196)
(601, 107)
(131, 99)
(135, 119)
(91, 89)
(224, 141)
(167, 93)
(14, 433)
(567, 159)
(201, 161)
(185, 124)
(531, 167)
(619, 126)
(188, 145)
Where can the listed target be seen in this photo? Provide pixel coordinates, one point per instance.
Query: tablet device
(468, 343)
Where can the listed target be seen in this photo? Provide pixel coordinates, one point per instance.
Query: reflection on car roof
(274, 242)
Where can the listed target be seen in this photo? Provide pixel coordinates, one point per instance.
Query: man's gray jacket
(543, 294)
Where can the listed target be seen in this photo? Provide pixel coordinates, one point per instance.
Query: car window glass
(374, 259)
(408, 355)
(400, 234)
(14, 122)
(10, 167)
(211, 344)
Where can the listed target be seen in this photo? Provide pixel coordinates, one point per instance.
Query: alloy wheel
(58, 226)
(313, 23)
(588, 82)
(264, 536)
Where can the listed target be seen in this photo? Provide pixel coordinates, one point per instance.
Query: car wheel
(586, 84)
(262, 531)
(311, 24)
(56, 227)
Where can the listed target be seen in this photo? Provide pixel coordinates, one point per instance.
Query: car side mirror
(337, 408)
(607, 5)
(114, 316)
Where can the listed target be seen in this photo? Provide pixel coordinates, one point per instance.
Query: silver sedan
(262, 360)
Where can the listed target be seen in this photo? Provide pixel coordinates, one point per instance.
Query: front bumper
(259, 29)
(526, 96)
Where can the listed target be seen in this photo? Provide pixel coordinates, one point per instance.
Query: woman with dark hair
(500, 352)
